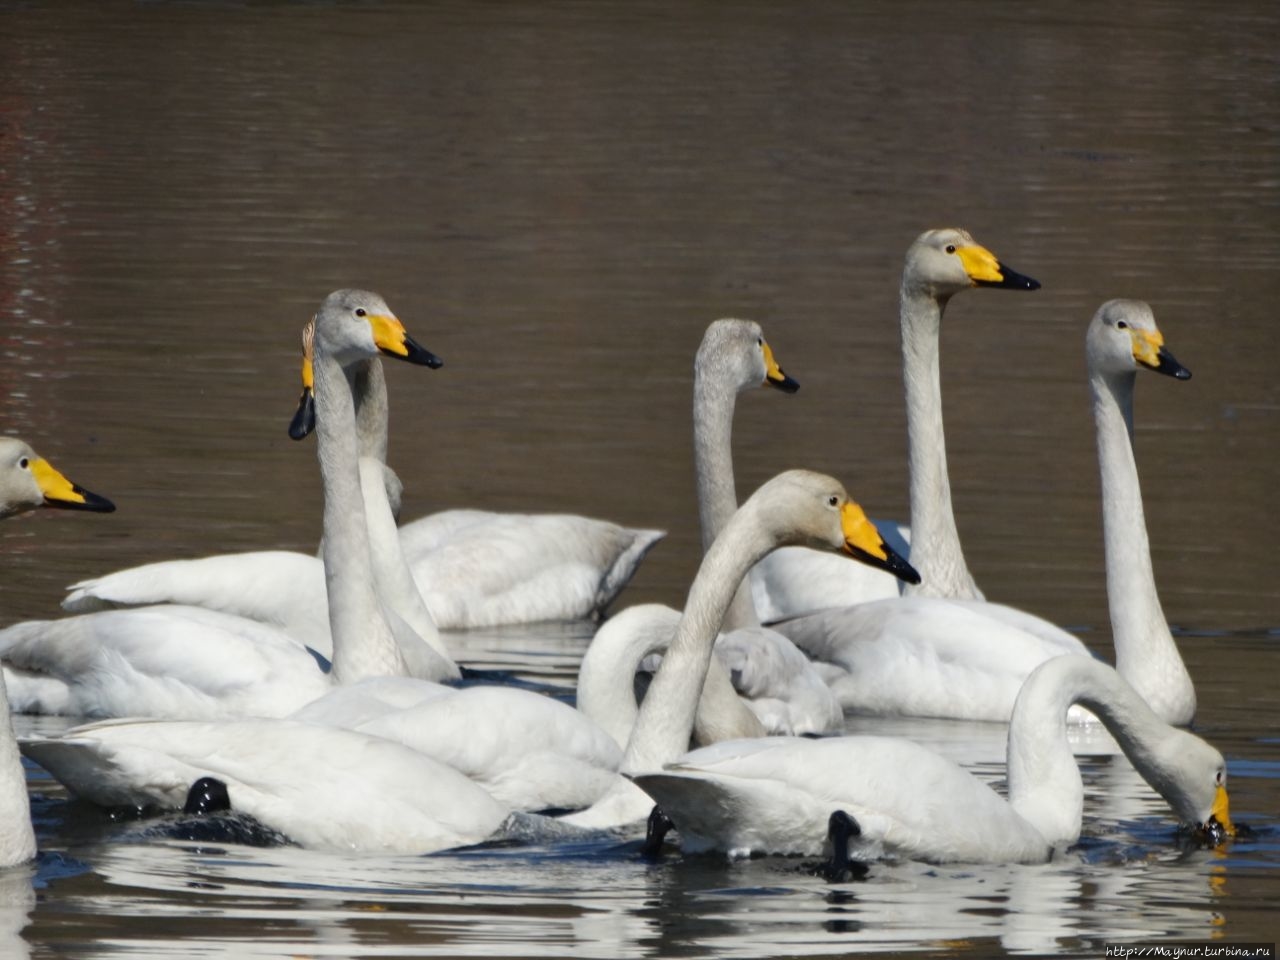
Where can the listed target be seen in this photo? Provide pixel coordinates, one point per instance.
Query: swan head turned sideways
(813, 510)
(1123, 336)
(738, 352)
(304, 421)
(27, 481)
(356, 324)
(944, 262)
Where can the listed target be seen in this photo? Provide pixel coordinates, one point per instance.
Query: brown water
(557, 198)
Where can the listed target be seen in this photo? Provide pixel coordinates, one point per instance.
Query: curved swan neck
(1045, 786)
(1146, 654)
(17, 839)
(713, 407)
(363, 644)
(666, 718)
(606, 678)
(935, 550)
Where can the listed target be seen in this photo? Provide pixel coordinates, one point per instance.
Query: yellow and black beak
(1149, 350)
(985, 270)
(863, 542)
(391, 338)
(60, 492)
(304, 419)
(774, 377)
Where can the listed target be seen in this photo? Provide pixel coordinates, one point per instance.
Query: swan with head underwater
(472, 568)
(188, 662)
(274, 769)
(758, 682)
(794, 582)
(27, 482)
(930, 657)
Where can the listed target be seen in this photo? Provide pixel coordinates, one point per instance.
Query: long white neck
(713, 407)
(17, 840)
(666, 718)
(1146, 654)
(1045, 787)
(363, 645)
(935, 541)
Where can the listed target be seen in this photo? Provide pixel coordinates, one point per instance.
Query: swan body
(790, 583)
(776, 795)
(27, 482)
(472, 568)
(321, 787)
(967, 659)
(183, 662)
(794, 507)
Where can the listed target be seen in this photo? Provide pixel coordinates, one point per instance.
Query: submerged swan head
(354, 325)
(803, 508)
(28, 481)
(735, 352)
(944, 262)
(1123, 336)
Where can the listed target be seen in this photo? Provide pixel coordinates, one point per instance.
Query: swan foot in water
(655, 833)
(207, 817)
(838, 867)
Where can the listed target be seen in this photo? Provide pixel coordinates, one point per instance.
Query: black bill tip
(1169, 366)
(416, 353)
(893, 562)
(92, 502)
(304, 418)
(1011, 280)
(786, 384)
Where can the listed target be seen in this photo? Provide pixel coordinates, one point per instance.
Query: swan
(793, 582)
(285, 772)
(188, 662)
(776, 795)
(473, 568)
(795, 507)
(780, 690)
(929, 657)
(27, 482)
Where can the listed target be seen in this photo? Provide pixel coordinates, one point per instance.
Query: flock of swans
(318, 690)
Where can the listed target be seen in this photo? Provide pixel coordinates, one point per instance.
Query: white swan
(173, 661)
(27, 481)
(796, 507)
(923, 656)
(776, 795)
(792, 582)
(780, 690)
(473, 568)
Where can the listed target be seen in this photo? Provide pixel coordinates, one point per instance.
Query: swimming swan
(27, 482)
(175, 661)
(928, 657)
(792, 582)
(473, 568)
(759, 682)
(775, 795)
(795, 507)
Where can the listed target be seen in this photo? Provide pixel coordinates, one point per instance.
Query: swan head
(944, 262)
(354, 325)
(304, 420)
(1123, 336)
(811, 509)
(28, 481)
(735, 353)
(1192, 777)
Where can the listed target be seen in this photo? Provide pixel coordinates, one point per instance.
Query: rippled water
(557, 198)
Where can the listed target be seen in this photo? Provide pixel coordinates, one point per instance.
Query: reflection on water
(558, 198)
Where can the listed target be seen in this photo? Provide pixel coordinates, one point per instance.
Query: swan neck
(935, 541)
(713, 408)
(369, 388)
(606, 678)
(17, 839)
(1146, 655)
(665, 723)
(363, 644)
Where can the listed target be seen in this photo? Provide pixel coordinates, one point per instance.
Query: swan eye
(951, 248)
(360, 311)
(1218, 778)
(24, 463)
(1121, 325)
(833, 501)
(759, 341)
